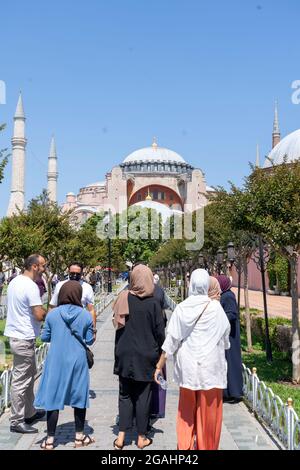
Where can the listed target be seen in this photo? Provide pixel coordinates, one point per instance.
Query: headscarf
(214, 292)
(199, 283)
(70, 294)
(141, 285)
(225, 282)
(213, 322)
(190, 309)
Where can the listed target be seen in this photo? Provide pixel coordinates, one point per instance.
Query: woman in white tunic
(197, 337)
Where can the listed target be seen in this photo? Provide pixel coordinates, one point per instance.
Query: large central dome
(289, 147)
(154, 153)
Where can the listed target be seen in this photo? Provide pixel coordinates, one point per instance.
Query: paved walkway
(278, 305)
(240, 429)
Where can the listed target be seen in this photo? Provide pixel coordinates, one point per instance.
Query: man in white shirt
(24, 316)
(88, 300)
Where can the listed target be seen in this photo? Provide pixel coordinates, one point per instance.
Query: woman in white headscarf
(197, 336)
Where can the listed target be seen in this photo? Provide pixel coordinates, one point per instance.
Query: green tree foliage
(269, 205)
(41, 229)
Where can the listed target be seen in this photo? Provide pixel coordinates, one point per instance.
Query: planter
(270, 292)
(285, 294)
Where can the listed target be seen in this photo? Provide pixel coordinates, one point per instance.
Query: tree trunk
(49, 286)
(247, 306)
(295, 319)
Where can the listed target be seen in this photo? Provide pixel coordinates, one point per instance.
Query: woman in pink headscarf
(140, 334)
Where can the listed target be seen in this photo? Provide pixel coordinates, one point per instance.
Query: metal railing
(41, 353)
(281, 418)
(6, 376)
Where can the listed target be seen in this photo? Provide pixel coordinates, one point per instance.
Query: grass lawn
(272, 374)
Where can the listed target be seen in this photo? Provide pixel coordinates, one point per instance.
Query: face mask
(74, 276)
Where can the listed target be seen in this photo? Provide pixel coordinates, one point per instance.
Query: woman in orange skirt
(197, 337)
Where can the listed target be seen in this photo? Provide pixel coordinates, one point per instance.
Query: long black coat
(233, 355)
(138, 344)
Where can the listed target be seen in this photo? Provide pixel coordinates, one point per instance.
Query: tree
(85, 246)
(269, 205)
(144, 231)
(219, 231)
(41, 229)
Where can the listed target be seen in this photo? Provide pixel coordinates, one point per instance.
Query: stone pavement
(278, 305)
(240, 429)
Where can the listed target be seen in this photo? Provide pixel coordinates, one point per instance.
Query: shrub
(280, 331)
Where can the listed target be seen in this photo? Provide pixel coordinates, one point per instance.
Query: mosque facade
(153, 177)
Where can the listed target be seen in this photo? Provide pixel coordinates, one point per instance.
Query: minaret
(276, 131)
(52, 172)
(17, 192)
(257, 163)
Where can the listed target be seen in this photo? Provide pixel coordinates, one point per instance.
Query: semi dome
(164, 210)
(154, 153)
(289, 147)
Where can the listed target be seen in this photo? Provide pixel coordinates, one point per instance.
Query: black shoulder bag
(89, 353)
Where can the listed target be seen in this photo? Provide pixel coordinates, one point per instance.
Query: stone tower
(276, 131)
(257, 163)
(17, 192)
(52, 172)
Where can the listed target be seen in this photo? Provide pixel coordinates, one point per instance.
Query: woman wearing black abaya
(234, 391)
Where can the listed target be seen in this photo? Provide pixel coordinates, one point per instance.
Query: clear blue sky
(105, 76)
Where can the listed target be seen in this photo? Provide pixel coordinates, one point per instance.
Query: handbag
(89, 353)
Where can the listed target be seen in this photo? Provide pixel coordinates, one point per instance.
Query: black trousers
(52, 419)
(134, 399)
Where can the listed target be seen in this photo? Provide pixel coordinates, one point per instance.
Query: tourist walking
(65, 378)
(13, 275)
(40, 282)
(197, 336)
(140, 334)
(234, 390)
(24, 316)
(160, 295)
(214, 291)
(159, 395)
(75, 273)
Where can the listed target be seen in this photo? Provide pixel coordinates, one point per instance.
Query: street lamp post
(261, 262)
(107, 221)
(169, 275)
(220, 260)
(201, 261)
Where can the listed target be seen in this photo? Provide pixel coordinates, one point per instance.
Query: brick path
(278, 305)
(240, 429)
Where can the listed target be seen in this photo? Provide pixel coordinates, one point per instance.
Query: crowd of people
(202, 337)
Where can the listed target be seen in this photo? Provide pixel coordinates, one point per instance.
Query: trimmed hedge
(280, 330)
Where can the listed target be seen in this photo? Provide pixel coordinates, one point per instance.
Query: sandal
(146, 445)
(84, 442)
(116, 447)
(47, 445)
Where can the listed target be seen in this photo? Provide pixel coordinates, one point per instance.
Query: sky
(106, 76)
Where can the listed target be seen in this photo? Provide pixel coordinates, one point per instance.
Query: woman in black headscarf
(234, 391)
